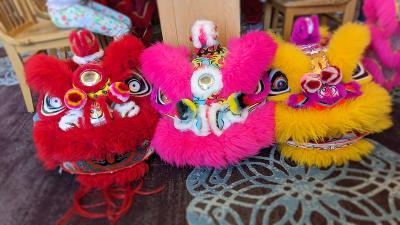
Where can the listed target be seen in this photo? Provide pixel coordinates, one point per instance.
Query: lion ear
(347, 47)
(168, 68)
(121, 56)
(248, 57)
(46, 74)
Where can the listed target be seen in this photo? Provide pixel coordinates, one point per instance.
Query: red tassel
(117, 201)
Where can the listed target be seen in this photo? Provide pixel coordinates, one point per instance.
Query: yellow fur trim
(368, 113)
(325, 158)
(294, 63)
(347, 46)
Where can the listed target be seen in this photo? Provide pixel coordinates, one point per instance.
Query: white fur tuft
(210, 31)
(127, 109)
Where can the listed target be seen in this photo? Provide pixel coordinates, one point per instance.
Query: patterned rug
(267, 189)
(7, 74)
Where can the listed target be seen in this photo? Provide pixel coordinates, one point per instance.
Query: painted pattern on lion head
(212, 103)
(326, 100)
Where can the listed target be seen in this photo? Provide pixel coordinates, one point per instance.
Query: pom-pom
(204, 34)
(119, 92)
(75, 99)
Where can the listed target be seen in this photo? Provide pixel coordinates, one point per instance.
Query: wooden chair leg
(18, 65)
(267, 15)
(287, 24)
(275, 17)
(349, 11)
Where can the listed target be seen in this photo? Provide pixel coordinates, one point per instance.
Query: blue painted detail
(36, 117)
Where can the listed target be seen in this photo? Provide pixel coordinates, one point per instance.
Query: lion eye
(161, 98)
(360, 73)
(51, 106)
(279, 82)
(138, 86)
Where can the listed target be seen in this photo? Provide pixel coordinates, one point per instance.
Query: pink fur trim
(169, 69)
(383, 48)
(382, 13)
(376, 71)
(247, 58)
(384, 25)
(236, 143)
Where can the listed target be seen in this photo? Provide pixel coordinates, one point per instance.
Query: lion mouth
(330, 143)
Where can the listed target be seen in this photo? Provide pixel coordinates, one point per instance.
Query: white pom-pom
(204, 34)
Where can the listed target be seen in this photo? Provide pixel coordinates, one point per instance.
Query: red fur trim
(120, 178)
(48, 74)
(119, 136)
(121, 56)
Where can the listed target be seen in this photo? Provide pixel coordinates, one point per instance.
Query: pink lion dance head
(213, 102)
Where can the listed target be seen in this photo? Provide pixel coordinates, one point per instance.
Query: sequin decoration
(266, 189)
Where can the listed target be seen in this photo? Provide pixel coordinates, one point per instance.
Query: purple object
(306, 31)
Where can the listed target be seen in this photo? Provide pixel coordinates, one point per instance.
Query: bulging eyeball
(205, 82)
(279, 82)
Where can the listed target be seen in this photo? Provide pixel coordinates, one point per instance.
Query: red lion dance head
(94, 117)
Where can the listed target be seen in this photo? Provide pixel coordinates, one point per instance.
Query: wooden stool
(292, 8)
(178, 16)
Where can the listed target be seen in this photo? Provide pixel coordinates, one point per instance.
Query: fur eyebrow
(292, 61)
(347, 46)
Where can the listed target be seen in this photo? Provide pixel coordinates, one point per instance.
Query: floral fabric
(93, 17)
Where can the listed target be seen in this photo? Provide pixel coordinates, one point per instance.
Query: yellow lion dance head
(326, 102)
